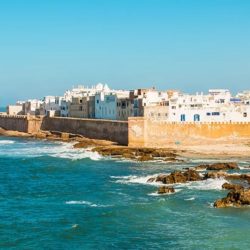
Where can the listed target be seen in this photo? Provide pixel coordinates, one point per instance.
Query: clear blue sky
(49, 45)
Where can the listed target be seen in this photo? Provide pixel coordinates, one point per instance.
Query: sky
(48, 46)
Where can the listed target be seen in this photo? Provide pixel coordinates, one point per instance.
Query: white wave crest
(6, 142)
(190, 199)
(209, 184)
(136, 180)
(157, 194)
(53, 149)
(82, 202)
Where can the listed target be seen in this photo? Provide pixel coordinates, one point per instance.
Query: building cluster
(100, 102)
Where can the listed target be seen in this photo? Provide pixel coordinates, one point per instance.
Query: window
(97, 101)
(183, 118)
(245, 114)
(215, 113)
(196, 117)
(208, 113)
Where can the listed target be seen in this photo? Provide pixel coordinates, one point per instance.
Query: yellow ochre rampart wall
(150, 133)
(137, 132)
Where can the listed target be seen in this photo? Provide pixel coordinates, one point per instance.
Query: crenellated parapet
(145, 132)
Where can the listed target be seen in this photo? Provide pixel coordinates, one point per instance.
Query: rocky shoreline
(239, 194)
(103, 147)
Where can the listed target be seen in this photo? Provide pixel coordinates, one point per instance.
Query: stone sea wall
(137, 132)
(116, 131)
(149, 133)
(15, 123)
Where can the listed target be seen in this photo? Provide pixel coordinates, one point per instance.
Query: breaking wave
(190, 199)
(209, 184)
(86, 203)
(53, 149)
(6, 142)
(136, 179)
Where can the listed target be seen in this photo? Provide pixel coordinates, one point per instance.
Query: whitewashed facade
(216, 106)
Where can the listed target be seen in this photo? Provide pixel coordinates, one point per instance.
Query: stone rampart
(116, 131)
(16, 123)
(150, 133)
(137, 132)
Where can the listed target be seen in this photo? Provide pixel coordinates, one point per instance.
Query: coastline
(172, 153)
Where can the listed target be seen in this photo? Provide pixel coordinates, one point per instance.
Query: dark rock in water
(192, 175)
(223, 166)
(179, 177)
(175, 177)
(242, 177)
(165, 190)
(215, 175)
(152, 179)
(231, 186)
(161, 177)
(145, 158)
(238, 197)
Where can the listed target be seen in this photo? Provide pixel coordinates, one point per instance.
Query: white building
(51, 105)
(15, 109)
(32, 107)
(216, 106)
(146, 98)
(108, 105)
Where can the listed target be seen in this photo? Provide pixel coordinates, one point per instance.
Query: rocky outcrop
(231, 186)
(177, 177)
(241, 177)
(223, 166)
(218, 166)
(192, 175)
(237, 197)
(215, 174)
(13, 133)
(140, 154)
(165, 190)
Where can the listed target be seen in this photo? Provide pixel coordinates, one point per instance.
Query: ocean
(2, 109)
(56, 197)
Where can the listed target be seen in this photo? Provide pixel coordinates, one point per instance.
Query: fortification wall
(16, 123)
(116, 131)
(149, 133)
(138, 131)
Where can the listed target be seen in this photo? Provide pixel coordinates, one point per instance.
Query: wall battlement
(151, 133)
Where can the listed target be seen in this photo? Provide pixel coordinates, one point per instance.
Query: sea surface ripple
(56, 197)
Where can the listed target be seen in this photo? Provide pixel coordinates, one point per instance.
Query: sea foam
(86, 203)
(6, 142)
(56, 149)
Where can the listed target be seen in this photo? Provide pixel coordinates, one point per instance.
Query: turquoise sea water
(2, 109)
(55, 197)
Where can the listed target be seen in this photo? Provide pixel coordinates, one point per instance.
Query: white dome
(99, 86)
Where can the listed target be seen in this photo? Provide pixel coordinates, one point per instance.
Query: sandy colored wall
(116, 131)
(143, 132)
(16, 123)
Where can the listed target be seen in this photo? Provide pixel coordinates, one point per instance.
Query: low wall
(16, 123)
(116, 131)
(149, 133)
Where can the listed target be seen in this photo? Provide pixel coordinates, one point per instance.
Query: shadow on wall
(116, 131)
